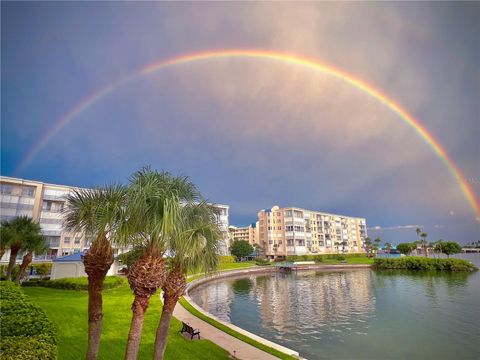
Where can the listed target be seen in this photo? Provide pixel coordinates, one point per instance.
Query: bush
(26, 331)
(43, 269)
(227, 259)
(28, 348)
(262, 262)
(341, 257)
(423, 263)
(80, 283)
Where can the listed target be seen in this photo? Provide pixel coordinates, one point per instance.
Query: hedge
(226, 259)
(320, 258)
(80, 283)
(26, 332)
(423, 263)
(262, 262)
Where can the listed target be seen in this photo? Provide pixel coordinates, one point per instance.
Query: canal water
(355, 314)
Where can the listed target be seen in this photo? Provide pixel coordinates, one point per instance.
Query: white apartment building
(44, 204)
(296, 231)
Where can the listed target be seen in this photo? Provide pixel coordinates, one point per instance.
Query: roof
(70, 258)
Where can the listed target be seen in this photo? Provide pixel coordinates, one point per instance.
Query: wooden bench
(187, 328)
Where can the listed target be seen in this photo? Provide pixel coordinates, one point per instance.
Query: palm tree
(6, 237)
(368, 245)
(377, 242)
(344, 243)
(388, 246)
(17, 231)
(150, 194)
(194, 240)
(34, 243)
(418, 231)
(97, 212)
(423, 235)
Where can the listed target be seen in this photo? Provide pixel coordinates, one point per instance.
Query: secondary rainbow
(273, 56)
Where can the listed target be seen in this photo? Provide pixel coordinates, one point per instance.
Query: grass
(68, 310)
(236, 265)
(232, 332)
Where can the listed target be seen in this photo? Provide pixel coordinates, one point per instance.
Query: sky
(253, 133)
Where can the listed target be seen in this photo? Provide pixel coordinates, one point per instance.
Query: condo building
(296, 231)
(247, 233)
(44, 204)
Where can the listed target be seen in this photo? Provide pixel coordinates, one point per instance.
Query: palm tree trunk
(161, 339)
(97, 262)
(145, 277)
(173, 289)
(27, 259)
(13, 259)
(139, 308)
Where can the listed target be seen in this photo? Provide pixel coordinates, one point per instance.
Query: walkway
(243, 350)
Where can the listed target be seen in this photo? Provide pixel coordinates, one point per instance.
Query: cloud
(398, 227)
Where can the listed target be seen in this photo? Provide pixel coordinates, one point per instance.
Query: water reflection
(355, 314)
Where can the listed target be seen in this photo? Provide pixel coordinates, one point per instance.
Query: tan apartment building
(296, 231)
(44, 204)
(247, 233)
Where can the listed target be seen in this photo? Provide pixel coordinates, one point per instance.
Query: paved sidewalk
(243, 350)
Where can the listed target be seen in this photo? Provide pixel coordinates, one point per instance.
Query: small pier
(288, 266)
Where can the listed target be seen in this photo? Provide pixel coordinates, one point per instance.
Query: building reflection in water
(314, 304)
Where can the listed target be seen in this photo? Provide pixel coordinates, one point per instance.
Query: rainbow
(291, 59)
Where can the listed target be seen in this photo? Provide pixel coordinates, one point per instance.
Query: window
(289, 242)
(300, 242)
(279, 228)
(288, 213)
(77, 240)
(66, 240)
(6, 189)
(289, 228)
(28, 191)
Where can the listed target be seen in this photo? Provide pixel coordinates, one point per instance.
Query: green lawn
(68, 310)
(236, 265)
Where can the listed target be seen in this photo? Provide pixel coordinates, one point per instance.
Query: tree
(150, 196)
(34, 243)
(388, 246)
(241, 248)
(17, 231)
(368, 246)
(448, 247)
(258, 251)
(344, 243)
(194, 239)
(424, 243)
(377, 242)
(96, 212)
(6, 237)
(406, 248)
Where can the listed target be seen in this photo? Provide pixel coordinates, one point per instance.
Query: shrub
(28, 348)
(422, 263)
(80, 283)
(262, 262)
(26, 331)
(341, 257)
(226, 259)
(43, 269)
